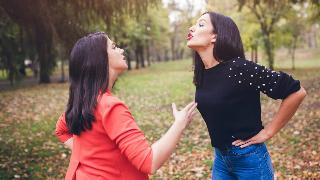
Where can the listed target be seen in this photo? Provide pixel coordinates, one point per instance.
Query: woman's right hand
(183, 117)
(164, 147)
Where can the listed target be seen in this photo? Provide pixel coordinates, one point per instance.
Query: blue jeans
(252, 162)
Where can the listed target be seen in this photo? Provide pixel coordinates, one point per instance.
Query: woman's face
(117, 60)
(201, 34)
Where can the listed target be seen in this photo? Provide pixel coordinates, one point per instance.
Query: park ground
(30, 150)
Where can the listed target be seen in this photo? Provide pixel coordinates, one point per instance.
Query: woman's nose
(191, 29)
(121, 51)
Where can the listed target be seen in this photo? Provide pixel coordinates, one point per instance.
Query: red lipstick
(189, 36)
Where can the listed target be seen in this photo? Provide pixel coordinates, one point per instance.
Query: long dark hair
(88, 74)
(227, 46)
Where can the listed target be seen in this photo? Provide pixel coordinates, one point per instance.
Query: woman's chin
(197, 46)
(121, 69)
(191, 45)
(124, 68)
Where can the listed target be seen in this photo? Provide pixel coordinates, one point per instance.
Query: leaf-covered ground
(29, 149)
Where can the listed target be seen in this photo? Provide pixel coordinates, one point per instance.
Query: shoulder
(241, 63)
(246, 67)
(239, 66)
(245, 72)
(109, 99)
(108, 102)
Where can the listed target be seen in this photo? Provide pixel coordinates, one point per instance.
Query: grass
(3, 74)
(29, 149)
(304, 59)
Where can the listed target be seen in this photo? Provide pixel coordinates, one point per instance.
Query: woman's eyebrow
(202, 20)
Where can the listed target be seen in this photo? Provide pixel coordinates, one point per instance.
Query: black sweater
(229, 98)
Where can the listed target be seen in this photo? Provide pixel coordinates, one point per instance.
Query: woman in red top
(106, 142)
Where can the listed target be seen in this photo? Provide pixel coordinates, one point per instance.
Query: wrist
(178, 126)
(270, 133)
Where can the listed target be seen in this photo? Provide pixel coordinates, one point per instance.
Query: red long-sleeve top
(115, 147)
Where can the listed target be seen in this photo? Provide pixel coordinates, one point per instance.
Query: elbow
(153, 171)
(150, 171)
(302, 93)
(154, 167)
(298, 95)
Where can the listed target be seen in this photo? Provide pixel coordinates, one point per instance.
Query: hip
(253, 160)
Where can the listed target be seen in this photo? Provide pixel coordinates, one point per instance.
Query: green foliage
(49, 23)
(44, 31)
(30, 150)
(12, 47)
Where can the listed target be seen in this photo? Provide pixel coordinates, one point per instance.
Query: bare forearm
(287, 109)
(164, 147)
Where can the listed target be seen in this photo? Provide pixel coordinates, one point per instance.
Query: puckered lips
(189, 36)
(124, 57)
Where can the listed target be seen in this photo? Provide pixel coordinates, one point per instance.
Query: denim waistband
(237, 149)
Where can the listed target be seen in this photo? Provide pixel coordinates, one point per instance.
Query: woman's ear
(213, 38)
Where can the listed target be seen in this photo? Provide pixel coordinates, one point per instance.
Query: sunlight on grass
(30, 150)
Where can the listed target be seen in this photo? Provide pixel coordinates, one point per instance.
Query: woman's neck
(207, 57)
(112, 78)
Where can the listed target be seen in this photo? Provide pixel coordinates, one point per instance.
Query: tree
(35, 15)
(144, 37)
(184, 17)
(314, 7)
(12, 48)
(291, 32)
(246, 22)
(267, 13)
(65, 21)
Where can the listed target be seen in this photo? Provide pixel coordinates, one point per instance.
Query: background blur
(36, 37)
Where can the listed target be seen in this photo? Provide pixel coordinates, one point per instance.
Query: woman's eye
(200, 25)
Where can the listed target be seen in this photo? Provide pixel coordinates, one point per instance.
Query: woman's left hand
(261, 137)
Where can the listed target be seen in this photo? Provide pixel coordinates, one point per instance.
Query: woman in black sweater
(228, 95)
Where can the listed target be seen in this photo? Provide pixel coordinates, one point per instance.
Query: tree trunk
(268, 49)
(315, 39)
(11, 68)
(252, 53)
(21, 50)
(129, 60)
(256, 54)
(142, 57)
(173, 48)
(158, 57)
(294, 44)
(148, 54)
(181, 53)
(62, 79)
(34, 65)
(43, 36)
(136, 52)
(166, 57)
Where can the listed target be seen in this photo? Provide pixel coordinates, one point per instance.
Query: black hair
(228, 44)
(89, 76)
